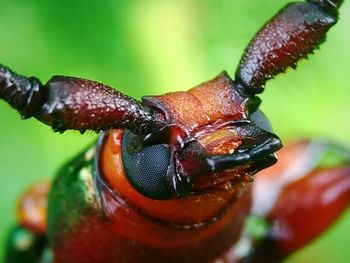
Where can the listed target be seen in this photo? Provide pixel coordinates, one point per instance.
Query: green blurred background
(156, 46)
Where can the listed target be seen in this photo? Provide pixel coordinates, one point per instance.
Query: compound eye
(259, 119)
(146, 167)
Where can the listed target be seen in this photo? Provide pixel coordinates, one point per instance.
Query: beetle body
(171, 177)
(89, 222)
(120, 231)
(196, 228)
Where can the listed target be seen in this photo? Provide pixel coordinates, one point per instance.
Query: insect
(204, 149)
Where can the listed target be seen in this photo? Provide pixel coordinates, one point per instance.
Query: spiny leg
(292, 34)
(73, 103)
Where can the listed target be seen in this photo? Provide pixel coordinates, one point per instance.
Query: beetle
(216, 144)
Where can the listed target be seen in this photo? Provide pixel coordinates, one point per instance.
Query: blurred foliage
(155, 46)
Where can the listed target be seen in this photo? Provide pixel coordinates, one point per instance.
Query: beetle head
(214, 138)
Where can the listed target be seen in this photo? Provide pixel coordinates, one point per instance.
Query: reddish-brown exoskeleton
(170, 179)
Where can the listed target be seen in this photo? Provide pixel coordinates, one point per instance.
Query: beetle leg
(300, 197)
(292, 34)
(27, 242)
(24, 245)
(73, 103)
